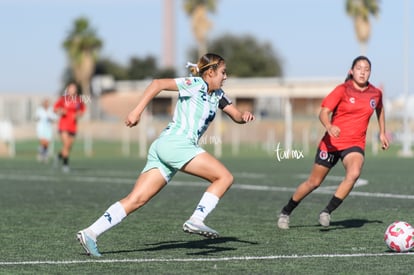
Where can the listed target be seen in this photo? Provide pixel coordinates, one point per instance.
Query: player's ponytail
(193, 68)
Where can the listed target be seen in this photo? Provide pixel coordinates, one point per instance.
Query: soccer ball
(399, 236)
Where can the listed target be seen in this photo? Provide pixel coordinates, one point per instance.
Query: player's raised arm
(153, 89)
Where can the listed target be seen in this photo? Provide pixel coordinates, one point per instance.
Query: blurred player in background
(345, 114)
(69, 107)
(44, 129)
(177, 149)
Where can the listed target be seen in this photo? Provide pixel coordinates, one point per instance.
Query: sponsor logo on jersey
(352, 100)
(188, 81)
(372, 103)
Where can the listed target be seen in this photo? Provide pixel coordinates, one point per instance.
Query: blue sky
(314, 38)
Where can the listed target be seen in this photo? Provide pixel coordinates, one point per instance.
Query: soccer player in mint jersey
(44, 128)
(177, 149)
(345, 114)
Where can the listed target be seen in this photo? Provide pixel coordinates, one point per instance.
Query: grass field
(42, 209)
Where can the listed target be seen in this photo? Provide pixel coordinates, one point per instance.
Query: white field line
(222, 259)
(131, 181)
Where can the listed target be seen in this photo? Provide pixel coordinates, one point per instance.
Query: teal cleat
(88, 244)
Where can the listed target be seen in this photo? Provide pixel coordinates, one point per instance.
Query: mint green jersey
(195, 108)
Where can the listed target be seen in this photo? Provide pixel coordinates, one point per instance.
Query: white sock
(114, 215)
(207, 203)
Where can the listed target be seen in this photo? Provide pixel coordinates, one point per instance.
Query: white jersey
(45, 118)
(195, 108)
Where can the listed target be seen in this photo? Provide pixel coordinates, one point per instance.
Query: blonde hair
(207, 61)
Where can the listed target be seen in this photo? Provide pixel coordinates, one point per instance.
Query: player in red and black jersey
(345, 114)
(69, 107)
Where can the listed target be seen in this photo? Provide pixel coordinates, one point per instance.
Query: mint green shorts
(170, 153)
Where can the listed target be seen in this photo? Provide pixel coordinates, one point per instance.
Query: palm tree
(197, 10)
(360, 11)
(82, 46)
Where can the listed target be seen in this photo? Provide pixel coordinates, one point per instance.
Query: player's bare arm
(237, 116)
(382, 134)
(60, 111)
(154, 88)
(325, 118)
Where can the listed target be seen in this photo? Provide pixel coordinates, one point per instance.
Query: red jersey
(72, 105)
(351, 111)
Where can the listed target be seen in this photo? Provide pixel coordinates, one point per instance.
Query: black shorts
(329, 159)
(70, 133)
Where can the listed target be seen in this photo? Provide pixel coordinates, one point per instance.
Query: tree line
(245, 55)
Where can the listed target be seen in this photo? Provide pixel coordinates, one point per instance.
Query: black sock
(332, 205)
(289, 207)
(65, 160)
